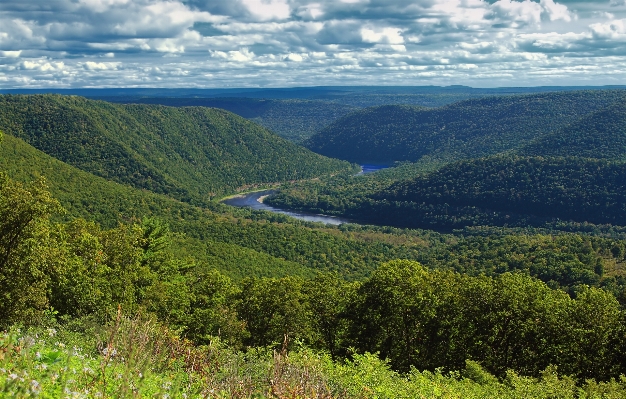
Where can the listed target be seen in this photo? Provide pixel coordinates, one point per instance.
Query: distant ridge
(601, 134)
(290, 92)
(467, 129)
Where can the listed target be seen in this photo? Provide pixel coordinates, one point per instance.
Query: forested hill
(293, 119)
(577, 189)
(187, 153)
(601, 134)
(467, 129)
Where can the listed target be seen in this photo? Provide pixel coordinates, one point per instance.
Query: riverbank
(254, 200)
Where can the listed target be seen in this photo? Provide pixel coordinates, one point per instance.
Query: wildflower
(52, 332)
(34, 386)
(109, 351)
(38, 355)
(13, 376)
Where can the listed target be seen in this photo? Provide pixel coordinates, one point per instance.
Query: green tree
(213, 308)
(328, 296)
(275, 311)
(27, 251)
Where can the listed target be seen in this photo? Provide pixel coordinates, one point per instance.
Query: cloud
(555, 11)
(199, 43)
(42, 65)
(384, 35)
(295, 57)
(100, 66)
(11, 54)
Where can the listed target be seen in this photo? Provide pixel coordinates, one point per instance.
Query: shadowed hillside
(601, 134)
(467, 129)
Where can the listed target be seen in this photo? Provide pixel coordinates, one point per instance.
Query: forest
(465, 129)
(473, 276)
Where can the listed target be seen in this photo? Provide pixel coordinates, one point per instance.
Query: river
(255, 201)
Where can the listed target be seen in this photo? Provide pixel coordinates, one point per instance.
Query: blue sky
(284, 43)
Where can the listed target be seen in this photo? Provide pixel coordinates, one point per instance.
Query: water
(254, 201)
(370, 168)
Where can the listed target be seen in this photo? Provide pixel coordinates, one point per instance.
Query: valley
(471, 238)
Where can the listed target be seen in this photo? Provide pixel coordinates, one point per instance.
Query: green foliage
(212, 312)
(247, 245)
(27, 249)
(484, 333)
(292, 119)
(467, 129)
(275, 311)
(601, 134)
(191, 154)
(566, 188)
(431, 319)
(496, 191)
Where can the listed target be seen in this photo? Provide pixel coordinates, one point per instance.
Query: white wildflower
(35, 387)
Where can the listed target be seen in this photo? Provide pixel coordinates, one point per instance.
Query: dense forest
(191, 154)
(502, 276)
(466, 129)
(293, 119)
(601, 134)
(416, 318)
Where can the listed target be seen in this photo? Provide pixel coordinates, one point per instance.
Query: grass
(137, 358)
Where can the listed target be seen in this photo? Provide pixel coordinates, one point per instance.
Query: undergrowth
(138, 358)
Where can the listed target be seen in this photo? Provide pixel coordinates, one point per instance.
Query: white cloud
(613, 30)
(556, 11)
(385, 35)
(310, 11)
(102, 5)
(295, 57)
(517, 13)
(267, 10)
(305, 42)
(11, 54)
(42, 65)
(99, 66)
(242, 55)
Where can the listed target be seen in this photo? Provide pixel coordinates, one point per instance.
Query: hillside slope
(240, 242)
(467, 129)
(293, 119)
(601, 134)
(577, 189)
(187, 153)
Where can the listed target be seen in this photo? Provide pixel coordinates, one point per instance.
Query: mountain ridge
(466, 129)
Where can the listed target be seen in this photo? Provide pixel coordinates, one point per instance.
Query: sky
(296, 43)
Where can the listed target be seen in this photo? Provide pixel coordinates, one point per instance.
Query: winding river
(255, 201)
